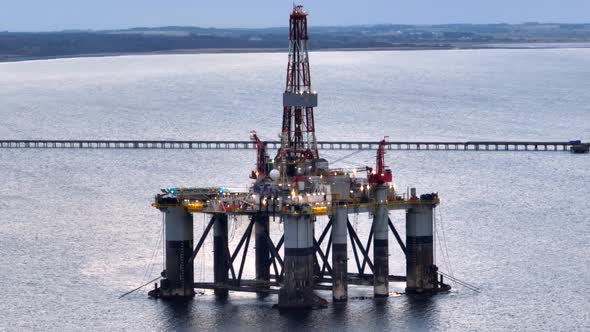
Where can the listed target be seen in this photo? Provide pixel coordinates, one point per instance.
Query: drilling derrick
(298, 159)
(298, 141)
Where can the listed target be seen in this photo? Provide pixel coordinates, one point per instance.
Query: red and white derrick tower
(298, 141)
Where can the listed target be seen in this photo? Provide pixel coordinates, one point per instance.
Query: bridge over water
(322, 145)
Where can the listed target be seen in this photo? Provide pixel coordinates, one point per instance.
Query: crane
(381, 174)
(261, 156)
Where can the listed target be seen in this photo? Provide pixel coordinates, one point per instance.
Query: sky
(51, 15)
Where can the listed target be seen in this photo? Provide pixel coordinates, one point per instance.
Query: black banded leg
(381, 245)
(221, 259)
(262, 250)
(420, 268)
(339, 254)
(297, 290)
(178, 275)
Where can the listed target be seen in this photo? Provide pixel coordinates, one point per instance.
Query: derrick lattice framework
(298, 141)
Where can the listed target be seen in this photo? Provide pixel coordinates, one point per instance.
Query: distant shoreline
(23, 46)
(458, 46)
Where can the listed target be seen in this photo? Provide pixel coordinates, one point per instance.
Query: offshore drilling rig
(294, 188)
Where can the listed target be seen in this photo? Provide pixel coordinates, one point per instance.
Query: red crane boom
(381, 174)
(260, 156)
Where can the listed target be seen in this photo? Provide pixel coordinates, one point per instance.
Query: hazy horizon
(59, 15)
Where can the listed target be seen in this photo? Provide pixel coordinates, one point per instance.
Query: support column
(339, 254)
(297, 291)
(178, 275)
(381, 244)
(261, 228)
(220, 253)
(420, 268)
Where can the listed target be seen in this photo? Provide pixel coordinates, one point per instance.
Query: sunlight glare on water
(78, 230)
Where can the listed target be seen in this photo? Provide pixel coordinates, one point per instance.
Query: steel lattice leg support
(381, 245)
(297, 291)
(420, 268)
(220, 253)
(178, 275)
(339, 254)
(262, 249)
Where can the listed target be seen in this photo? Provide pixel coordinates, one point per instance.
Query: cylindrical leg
(220, 256)
(381, 245)
(297, 291)
(261, 228)
(420, 268)
(339, 254)
(179, 275)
